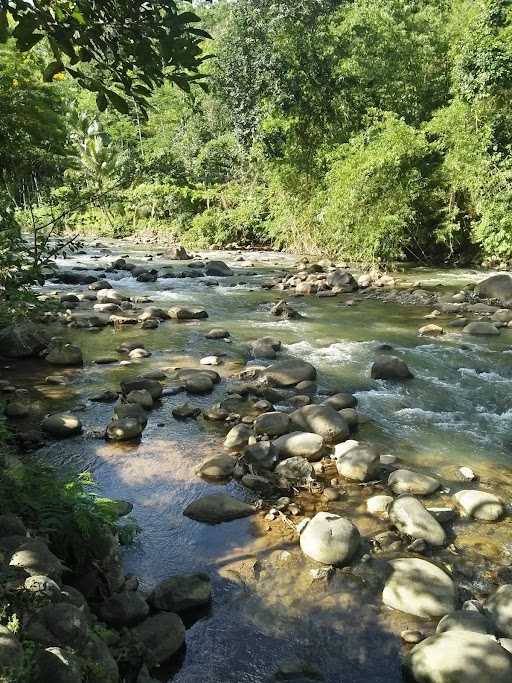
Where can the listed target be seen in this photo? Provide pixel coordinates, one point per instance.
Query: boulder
(237, 437)
(123, 609)
(481, 505)
(151, 385)
(356, 461)
(220, 467)
(265, 347)
(496, 287)
(217, 269)
(22, 340)
(430, 331)
(105, 667)
(481, 329)
(262, 454)
(124, 429)
(160, 637)
(287, 373)
(57, 665)
(502, 315)
(330, 539)
(61, 425)
(321, 420)
(130, 410)
(198, 383)
(412, 519)
(499, 607)
(294, 471)
(283, 310)
(187, 312)
(273, 423)
(416, 586)
(302, 444)
(217, 333)
(64, 354)
(465, 620)
(109, 296)
(341, 401)
(341, 280)
(217, 508)
(58, 624)
(183, 411)
(460, 657)
(407, 481)
(141, 397)
(390, 367)
(182, 592)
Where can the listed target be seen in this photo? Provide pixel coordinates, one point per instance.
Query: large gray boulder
(123, 609)
(412, 519)
(237, 437)
(151, 385)
(36, 559)
(159, 637)
(109, 296)
(322, 420)
(465, 620)
(59, 624)
(218, 269)
(57, 665)
(219, 467)
(390, 367)
(407, 481)
(496, 287)
(416, 586)
(273, 423)
(302, 444)
(481, 329)
(460, 657)
(480, 505)
(330, 539)
(499, 606)
(124, 429)
(289, 372)
(218, 507)
(22, 340)
(62, 425)
(187, 312)
(357, 461)
(182, 592)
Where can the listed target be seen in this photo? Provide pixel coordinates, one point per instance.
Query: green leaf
(188, 18)
(118, 102)
(26, 44)
(101, 101)
(4, 26)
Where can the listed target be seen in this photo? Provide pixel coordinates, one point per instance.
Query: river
(267, 607)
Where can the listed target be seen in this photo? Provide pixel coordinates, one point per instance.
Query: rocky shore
(292, 444)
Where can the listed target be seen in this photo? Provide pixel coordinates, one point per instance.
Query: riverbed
(267, 605)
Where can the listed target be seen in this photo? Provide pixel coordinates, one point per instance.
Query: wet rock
(330, 539)
(99, 284)
(130, 410)
(178, 253)
(262, 454)
(416, 586)
(217, 508)
(356, 461)
(480, 505)
(411, 518)
(107, 308)
(216, 413)
(150, 385)
(407, 481)
(217, 333)
(105, 360)
(302, 444)
(211, 360)
(105, 667)
(109, 296)
(297, 670)
(273, 424)
(341, 401)
(123, 609)
(58, 624)
(390, 367)
(294, 471)
(23, 340)
(341, 280)
(430, 331)
(283, 310)
(502, 315)
(321, 420)
(499, 606)
(160, 637)
(237, 437)
(379, 505)
(287, 373)
(141, 397)
(330, 494)
(64, 354)
(218, 269)
(351, 417)
(124, 429)
(58, 665)
(187, 312)
(464, 620)
(134, 354)
(149, 324)
(496, 287)
(460, 656)
(220, 467)
(182, 592)
(198, 384)
(481, 329)
(259, 483)
(265, 347)
(62, 425)
(183, 411)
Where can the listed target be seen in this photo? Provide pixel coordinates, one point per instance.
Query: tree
(118, 49)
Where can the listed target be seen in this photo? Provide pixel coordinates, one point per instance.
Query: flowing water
(457, 411)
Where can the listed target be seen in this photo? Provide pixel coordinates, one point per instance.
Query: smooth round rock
(322, 420)
(273, 423)
(499, 606)
(220, 467)
(62, 425)
(407, 481)
(302, 444)
(182, 592)
(480, 505)
(464, 620)
(330, 539)
(411, 518)
(378, 505)
(356, 461)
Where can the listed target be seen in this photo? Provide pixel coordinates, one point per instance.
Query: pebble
(412, 636)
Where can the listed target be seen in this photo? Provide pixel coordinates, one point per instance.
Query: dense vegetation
(371, 129)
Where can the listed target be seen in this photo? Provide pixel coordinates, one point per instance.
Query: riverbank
(266, 591)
